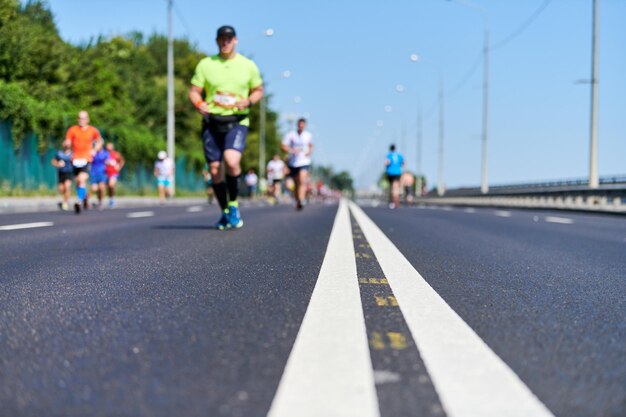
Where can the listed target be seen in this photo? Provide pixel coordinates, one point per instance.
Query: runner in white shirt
(252, 181)
(275, 176)
(299, 146)
(163, 171)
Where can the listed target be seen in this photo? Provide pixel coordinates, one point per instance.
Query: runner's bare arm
(195, 96)
(256, 94)
(286, 148)
(121, 163)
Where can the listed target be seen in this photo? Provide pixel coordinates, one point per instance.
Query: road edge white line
(329, 371)
(559, 220)
(140, 214)
(26, 226)
(472, 381)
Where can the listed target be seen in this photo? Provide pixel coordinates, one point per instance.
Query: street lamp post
(440, 182)
(268, 33)
(419, 150)
(484, 184)
(594, 181)
(170, 92)
(262, 139)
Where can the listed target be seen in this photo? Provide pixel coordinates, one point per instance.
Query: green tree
(121, 81)
(342, 181)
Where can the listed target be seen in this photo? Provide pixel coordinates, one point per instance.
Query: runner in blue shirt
(63, 162)
(394, 164)
(98, 176)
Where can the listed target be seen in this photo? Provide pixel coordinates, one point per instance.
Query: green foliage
(341, 181)
(27, 114)
(8, 10)
(121, 81)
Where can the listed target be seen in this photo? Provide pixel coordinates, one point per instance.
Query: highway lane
(549, 297)
(105, 314)
(108, 315)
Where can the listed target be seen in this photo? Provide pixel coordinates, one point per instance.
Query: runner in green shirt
(231, 83)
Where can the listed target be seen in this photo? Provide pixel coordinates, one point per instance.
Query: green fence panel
(7, 156)
(26, 168)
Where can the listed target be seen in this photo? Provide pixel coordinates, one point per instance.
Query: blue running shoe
(234, 218)
(223, 223)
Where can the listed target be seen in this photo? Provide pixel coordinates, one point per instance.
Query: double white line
(329, 371)
(26, 226)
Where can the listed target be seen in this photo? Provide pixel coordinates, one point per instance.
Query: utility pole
(484, 184)
(170, 92)
(262, 140)
(404, 150)
(419, 151)
(440, 182)
(440, 185)
(594, 181)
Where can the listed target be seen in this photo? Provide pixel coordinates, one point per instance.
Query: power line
(523, 27)
(184, 22)
(499, 45)
(467, 75)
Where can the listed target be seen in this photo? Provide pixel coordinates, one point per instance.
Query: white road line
(26, 226)
(560, 220)
(471, 380)
(329, 371)
(502, 213)
(194, 209)
(139, 214)
(470, 210)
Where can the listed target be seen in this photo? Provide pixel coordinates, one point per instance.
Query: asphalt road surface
(338, 310)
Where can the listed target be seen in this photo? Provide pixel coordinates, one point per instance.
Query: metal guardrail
(571, 185)
(574, 194)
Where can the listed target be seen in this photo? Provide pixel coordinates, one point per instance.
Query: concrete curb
(596, 206)
(43, 204)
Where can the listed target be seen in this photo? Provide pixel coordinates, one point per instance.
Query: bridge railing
(571, 194)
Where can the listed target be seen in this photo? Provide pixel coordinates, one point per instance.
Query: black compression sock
(233, 187)
(220, 194)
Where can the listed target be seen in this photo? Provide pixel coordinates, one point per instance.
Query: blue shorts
(64, 176)
(294, 171)
(163, 181)
(97, 178)
(216, 139)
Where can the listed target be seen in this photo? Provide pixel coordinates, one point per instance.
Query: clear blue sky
(347, 57)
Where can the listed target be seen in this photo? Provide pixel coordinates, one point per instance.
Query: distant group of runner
(84, 157)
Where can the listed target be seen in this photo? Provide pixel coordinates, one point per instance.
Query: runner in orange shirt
(82, 137)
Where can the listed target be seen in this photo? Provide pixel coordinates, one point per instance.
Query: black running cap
(226, 31)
